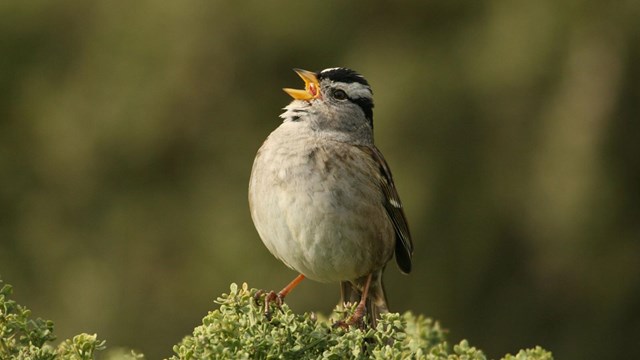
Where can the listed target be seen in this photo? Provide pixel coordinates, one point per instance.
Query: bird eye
(339, 94)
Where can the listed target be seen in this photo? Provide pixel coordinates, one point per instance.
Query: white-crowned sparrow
(321, 194)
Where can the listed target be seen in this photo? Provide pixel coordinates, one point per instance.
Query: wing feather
(393, 206)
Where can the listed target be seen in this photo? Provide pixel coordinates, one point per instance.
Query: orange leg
(287, 289)
(278, 298)
(358, 314)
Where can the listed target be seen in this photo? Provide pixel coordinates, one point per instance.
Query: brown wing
(393, 205)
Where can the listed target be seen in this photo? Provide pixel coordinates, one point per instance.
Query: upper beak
(311, 86)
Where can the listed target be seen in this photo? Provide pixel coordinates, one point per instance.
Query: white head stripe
(338, 68)
(356, 90)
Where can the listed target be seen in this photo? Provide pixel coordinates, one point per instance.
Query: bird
(322, 197)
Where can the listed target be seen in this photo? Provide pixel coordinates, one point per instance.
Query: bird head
(339, 88)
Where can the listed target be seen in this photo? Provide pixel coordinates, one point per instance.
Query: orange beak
(311, 86)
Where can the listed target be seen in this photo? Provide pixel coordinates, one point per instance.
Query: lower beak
(311, 86)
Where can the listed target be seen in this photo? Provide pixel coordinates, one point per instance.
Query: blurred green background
(128, 131)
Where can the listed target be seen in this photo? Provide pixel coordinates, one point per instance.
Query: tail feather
(376, 303)
(348, 293)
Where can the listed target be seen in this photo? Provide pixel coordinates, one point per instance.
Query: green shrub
(25, 338)
(238, 329)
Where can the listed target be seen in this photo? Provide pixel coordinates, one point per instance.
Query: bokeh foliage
(128, 130)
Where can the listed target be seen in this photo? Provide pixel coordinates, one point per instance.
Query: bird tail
(376, 302)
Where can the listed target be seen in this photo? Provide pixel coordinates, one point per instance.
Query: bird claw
(351, 321)
(256, 297)
(340, 324)
(356, 319)
(269, 297)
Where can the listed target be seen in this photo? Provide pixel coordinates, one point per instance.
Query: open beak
(311, 86)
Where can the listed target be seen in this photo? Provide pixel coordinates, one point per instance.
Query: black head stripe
(342, 75)
(349, 76)
(367, 107)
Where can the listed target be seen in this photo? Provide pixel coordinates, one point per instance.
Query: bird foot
(354, 320)
(270, 297)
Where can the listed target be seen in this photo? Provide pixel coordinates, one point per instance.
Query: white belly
(318, 217)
